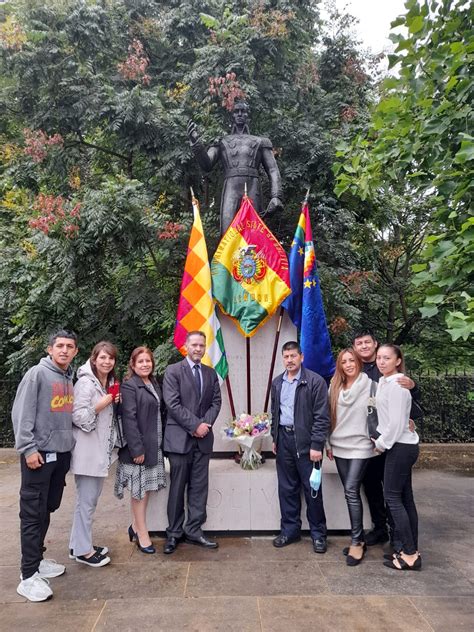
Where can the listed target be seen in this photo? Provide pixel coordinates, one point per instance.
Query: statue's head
(240, 117)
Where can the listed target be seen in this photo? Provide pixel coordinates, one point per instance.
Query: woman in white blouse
(401, 445)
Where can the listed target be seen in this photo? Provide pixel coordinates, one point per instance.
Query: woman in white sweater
(93, 453)
(401, 445)
(348, 442)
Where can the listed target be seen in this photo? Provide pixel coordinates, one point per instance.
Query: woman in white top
(348, 442)
(93, 453)
(401, 446)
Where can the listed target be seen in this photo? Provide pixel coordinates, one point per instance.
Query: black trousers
(40, 494)
(293, 476)
(351, 472)
(373, 483)
(399, 494)
(189, 470)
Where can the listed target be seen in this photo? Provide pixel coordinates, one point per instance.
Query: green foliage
(419, 141)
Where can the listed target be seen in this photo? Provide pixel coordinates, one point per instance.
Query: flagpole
(272, 364)
(249, 399)
(231, 399)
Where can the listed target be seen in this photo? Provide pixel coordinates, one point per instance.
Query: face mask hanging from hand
(315, 479)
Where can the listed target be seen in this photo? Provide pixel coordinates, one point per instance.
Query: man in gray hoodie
(42, 421)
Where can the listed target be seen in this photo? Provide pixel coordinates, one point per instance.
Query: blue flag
(305, 304)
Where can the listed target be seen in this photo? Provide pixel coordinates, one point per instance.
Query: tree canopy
(420, 142)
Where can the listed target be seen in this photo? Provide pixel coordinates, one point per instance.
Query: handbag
(372, 417)
(120, 440)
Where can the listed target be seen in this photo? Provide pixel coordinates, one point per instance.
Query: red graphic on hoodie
(62, 397)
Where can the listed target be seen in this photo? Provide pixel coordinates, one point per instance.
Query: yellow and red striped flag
(196, 308)
(250, 275)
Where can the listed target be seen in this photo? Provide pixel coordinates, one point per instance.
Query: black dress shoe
(202, 541)
(320, 545)
(170, 546)
(283, 540)
(376, 537)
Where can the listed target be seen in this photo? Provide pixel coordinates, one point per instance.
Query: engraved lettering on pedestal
(214, 498)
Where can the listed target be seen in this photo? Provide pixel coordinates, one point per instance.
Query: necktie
(197, 379)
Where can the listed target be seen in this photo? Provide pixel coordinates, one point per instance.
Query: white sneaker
(50, 568)
(35, 588)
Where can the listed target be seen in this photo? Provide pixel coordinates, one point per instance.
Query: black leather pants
(351, 472)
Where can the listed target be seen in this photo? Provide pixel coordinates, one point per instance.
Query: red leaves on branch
(355, 281)
(170, 230)
(226, 88)
(339, 325)
(55, 214)
(37, 143)
(348, 113)
(135, 66)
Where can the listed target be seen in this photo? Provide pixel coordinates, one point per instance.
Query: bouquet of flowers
(246, 429)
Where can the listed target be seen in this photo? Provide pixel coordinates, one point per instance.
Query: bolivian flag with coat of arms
(249, 271)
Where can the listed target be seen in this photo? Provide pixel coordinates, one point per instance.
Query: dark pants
(191, 470)
(373, 488)
(293, 475)
(399, 494)
(351, 472)
(40, 494)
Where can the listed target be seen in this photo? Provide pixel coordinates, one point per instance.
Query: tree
(420, 142)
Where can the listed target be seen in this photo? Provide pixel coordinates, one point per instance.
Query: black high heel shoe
(145, 549)
(131, 534)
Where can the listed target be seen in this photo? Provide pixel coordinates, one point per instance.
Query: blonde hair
(338, 381)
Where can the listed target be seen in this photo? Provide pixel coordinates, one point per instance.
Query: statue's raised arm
(241, 156)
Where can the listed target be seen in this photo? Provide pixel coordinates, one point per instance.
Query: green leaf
(428, 312)
(415, 24)
(466, 152)
(209, 21)
(418, 267)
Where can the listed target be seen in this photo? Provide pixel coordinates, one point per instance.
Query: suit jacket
(139, 418)
(182, 401)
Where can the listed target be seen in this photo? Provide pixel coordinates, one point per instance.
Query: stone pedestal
(240, 500)
(261, 348)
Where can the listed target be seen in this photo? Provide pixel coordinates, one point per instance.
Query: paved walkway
(247, 584)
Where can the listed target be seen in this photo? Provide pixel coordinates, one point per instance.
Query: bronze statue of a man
(240, 155)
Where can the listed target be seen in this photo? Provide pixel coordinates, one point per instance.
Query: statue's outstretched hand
(192, 132)
(275, 204)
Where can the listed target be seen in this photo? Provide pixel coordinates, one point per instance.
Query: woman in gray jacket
(94, 433)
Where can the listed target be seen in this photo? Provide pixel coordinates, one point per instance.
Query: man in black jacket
(365, 345)
(300, 424)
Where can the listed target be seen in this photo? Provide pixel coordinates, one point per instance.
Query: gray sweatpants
(88, 490)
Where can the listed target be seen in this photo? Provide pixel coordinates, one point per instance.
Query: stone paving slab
(204, 614)
(333, 613)
(49, 616)
(446, 613)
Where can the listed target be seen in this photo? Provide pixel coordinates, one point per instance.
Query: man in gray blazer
(193, 398)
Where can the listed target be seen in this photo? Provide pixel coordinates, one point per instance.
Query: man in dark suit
(193, 398)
